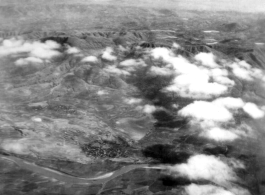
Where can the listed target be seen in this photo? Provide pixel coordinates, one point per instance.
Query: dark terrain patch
(165, 153)
(174, 182)
(104, 149)
(165, 119)
(217, 150)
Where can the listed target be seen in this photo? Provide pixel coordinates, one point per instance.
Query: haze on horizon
(207, 5)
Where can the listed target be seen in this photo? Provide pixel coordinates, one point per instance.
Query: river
(62, 177)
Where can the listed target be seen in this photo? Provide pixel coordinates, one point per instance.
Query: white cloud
(207, 59)
(191, 80)
(102, 92)
(242, 73)
(236, 164)
(43, 53)
(237, 103)
(132, 62)
(257, 73)
(149, 109)
(243, 70)
(161, 52)
(220, 76)
(253, 110)
(176, 106)
(37, 49)
(239, 191)
(202, 110)
(129, 62)
(210, 116)
(224, 81)
(133, 100)
(36, 119)
(179, 64)
(205, 167)
(244, 64)
(194, 189)
(28, 60)
(73, 50)
(90, 59)
(196, 86)
(162, 71)
(115, 70)
(219, 134)
(230, 102)
(216, 72)
(176, 46)
(107, 54)
(183, 66)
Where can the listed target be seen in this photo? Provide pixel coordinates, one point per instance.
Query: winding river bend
(62, 177)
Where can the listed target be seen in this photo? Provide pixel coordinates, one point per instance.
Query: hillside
(99, 98)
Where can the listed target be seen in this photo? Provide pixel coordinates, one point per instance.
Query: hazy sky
(237, 5)
(213, 5)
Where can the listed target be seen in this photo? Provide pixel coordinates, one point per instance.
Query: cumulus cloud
(253, 110)
(182, 66)
(133, 100)
(207, 59)
(196, 86)
(224, 81)
(205, 167)
(107, 54)
(237, 103)
(243, 70)
(179, 64)
(102, 92)
(220, 76)
(239, 191)
(162, 71)
(211, 116)
(44, 53)
(176, 46)
(219, 134)
(160, 52)
(115, 70)
(36, 119)
(191, 80)
(132, 62)
(73, 50)
(149, 109)
(243, 64)
(219, 111)
(219, 72)
(90, 59)
(236, 164)
(194, 189)
(230, 102)
(36, 49)
(28, 60)
(202, 110)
